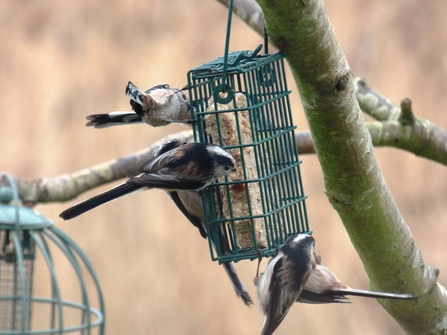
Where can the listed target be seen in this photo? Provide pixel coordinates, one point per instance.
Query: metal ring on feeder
(226, 89)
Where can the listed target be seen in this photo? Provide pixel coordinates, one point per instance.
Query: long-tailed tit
(190, 204)
(157, 106)
(320, 284)
(284, 279)
(324, 287)
(191, 167)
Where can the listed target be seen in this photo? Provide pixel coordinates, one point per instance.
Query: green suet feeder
(241, 102)
(24, 236)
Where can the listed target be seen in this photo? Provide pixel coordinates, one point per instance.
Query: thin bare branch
(401, 130)
(423, 139)
(373, 103)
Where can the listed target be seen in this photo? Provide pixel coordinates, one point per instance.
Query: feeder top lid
(243, 61)
(26, 218)
(13, 215)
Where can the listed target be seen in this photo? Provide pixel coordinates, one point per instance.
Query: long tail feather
(370, 294)
(98, 200)
(112, 119)
(239, 286)
(230, 269)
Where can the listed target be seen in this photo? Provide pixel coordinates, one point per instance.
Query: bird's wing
(168, 146)
(279, 304)
(158, 87)
(135, 94)
(193, 199)
(238, 285)
(284, 291)
(194, 205)
(193, 219)
(164, 181)
(309, 297)
(156, 164)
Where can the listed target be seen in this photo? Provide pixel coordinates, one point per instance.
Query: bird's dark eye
(227, 168)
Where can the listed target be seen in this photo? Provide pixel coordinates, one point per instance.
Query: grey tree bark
(354, 184)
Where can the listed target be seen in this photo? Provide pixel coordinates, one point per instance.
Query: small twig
(406, 117)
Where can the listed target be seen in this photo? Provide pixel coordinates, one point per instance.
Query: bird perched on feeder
(190, 167)
(157, 106)
(190, 204)
(284, 279)
(296, 274)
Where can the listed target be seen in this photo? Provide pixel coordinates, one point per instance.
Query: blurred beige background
(63, 60)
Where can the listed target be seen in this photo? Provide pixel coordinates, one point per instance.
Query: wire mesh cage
(25, 235)
(14, 314)
(243, 106)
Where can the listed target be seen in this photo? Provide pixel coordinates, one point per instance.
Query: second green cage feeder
(244, 107)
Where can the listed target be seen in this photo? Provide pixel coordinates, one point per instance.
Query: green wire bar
(254, 210)
(24, 235)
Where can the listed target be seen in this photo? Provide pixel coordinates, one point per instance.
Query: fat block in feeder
(241, 204)
(244, 108)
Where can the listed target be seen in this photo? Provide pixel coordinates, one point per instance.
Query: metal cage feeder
(243, 106)
(25, 234)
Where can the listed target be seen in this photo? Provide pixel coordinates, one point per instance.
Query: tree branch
(373, 103)
(401, 129)
(353, 181)
(422, 138)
